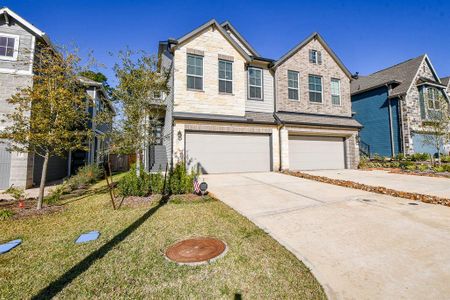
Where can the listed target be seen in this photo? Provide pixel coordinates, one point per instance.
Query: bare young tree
(436, 128)
(140, 82)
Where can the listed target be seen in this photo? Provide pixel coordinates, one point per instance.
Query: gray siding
(267, 104)
(26, 45)
(57, 168)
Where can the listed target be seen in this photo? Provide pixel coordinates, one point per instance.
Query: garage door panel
(224, 152)
(316, 152)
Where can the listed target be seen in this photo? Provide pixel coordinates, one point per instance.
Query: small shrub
(55, 195)
(445, 158)
(85, 176)
(420, 157)
(395, 164)
(401, 156)
(446, 168)
(422, 168)
(16, 193)
(406, 164)
(411, 167)
(156, 183)
(133, 185)
(6, 214)
(377, 156)
(439, 169)
(180, 180)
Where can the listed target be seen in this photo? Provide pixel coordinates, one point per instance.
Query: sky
(366, 35)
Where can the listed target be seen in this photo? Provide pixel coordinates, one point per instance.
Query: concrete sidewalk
(434, 186)
(359, 245)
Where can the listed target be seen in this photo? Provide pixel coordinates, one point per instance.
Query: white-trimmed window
(315, 57)
(9, 46)
(315, 88)
(194, 72)
(433, 98)
(254, 83)
(293, 85)
(335, 91)
(225, 76)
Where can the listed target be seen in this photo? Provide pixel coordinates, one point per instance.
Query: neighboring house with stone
(393, 105)
(227, 106)
(19, 41)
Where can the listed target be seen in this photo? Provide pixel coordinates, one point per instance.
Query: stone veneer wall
(410, 106)
(328, 69)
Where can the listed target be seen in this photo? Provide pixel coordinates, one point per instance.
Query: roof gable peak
(318, 37)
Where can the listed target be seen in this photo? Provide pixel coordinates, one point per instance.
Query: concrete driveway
(359, 245)
(433, 186)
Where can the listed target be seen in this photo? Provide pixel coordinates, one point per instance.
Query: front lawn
(127, 260)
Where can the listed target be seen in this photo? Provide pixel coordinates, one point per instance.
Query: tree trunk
(43, 177)
(138, 163)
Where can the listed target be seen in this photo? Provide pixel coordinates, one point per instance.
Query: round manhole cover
(196, 251)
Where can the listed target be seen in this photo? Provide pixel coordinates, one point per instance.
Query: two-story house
(231, 110)
(393, 104)
(19, 41)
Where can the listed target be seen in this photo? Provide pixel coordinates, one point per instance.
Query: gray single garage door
(5, 167)
(228, 152)
(316, 152)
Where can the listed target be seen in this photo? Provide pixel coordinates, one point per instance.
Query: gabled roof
(402, 75)
(317, 36)
(227, 25)
(445, 81)
(5, 11)
(213, 22)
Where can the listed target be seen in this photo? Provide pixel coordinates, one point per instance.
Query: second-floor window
(225, 76)
(292, 85)
(335, 91)
(8, 46)
(194, 72)
(254, 83)
(433, 99)
(315, 88)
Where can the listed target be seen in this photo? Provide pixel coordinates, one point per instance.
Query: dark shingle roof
(403, 74)
(317, 120)
(445, 80)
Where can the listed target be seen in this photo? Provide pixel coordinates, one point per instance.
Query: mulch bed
(373, 189)
(29, 209)
(406, 172)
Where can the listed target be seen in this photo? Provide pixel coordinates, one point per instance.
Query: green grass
(127, 260)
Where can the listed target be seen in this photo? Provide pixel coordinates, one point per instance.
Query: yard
(127, 260)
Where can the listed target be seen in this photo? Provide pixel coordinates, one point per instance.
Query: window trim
(16, 47)
(194, 75)
(224, 79)
(249, 85)
(434, 100)
(298, 85)
(331, 90)
(321, 89)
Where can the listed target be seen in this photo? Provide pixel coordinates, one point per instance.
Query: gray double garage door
(213, 152)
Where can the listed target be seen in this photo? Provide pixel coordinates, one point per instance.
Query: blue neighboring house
(394, 105)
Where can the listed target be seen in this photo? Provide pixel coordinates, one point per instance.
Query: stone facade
(329, 69)
(410, 108)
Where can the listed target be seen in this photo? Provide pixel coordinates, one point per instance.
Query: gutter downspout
(402, 138)
(280, 125)
(391, 129)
